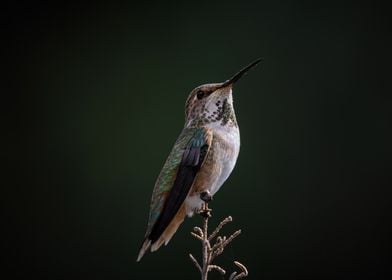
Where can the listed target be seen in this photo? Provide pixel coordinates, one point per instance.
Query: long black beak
(242, 72)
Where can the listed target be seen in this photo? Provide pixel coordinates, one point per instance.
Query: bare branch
(234, 235)
(197, 236)
(195, 262)
(218, 243)
(217, 267)
(198, 231)
(210, 251)
(219, 227)
(243, 274)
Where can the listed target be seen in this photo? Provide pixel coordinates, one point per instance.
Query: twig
(195, 262)
(217, 267)
(243, 274)
(211, 251)
(197, 236)
(219, 227)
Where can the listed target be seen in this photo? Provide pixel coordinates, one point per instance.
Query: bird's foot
(206, 196)
(205, 212)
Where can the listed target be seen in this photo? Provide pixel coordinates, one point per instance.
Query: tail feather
(145, 246)
(165, 236)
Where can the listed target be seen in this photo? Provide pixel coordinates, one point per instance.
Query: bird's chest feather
(216, 168)
(226, 146)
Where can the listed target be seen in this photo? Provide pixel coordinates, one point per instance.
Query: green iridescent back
(168, 173)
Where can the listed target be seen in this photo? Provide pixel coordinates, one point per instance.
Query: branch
(243, 274)
(195, 262)
(211, 251)
(219, 227)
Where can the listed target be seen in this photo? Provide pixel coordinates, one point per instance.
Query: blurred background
(93, 98)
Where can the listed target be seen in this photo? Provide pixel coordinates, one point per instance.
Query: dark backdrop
(93, 100)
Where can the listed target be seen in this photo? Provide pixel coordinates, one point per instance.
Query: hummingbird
(199, 163)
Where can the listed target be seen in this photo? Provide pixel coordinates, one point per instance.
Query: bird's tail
(165, 236)
(145, 246)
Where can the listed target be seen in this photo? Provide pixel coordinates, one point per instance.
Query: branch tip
(210, 251)
(195, 262)
(216, 267)
(243, 274)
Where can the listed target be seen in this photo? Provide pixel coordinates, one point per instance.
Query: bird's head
(213, 103)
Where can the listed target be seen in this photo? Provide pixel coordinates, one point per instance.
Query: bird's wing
(176, 178)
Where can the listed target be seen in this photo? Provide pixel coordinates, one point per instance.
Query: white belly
(227, 157)
(226, 153)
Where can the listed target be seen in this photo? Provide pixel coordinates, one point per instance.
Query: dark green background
(93, 100)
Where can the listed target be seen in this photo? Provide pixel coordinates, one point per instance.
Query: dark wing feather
(193, 157)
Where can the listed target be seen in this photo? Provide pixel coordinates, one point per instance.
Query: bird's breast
(217, 166)
(226, 145)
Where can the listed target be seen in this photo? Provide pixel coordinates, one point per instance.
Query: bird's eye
(200, 94)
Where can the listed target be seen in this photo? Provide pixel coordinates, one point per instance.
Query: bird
(200, 161)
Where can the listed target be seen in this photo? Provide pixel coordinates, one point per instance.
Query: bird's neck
(221, 116)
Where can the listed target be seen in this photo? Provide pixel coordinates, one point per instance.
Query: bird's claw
(206, 196)
(205, 212)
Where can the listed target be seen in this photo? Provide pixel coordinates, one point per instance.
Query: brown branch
(217, 267)
(196, 263)
(198, 231)
(211, 251)
(197, 236)
(243, 274)
(219, 227)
